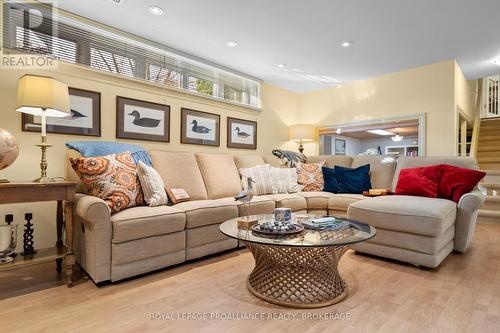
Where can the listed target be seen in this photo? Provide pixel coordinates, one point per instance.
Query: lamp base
(44, 179)
(43, 162)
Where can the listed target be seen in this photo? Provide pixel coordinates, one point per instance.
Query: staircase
(488, 156)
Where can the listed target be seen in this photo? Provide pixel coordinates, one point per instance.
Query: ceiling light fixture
(397, 138)
(232, 44)
(347, 43)
(339, 131)
(496, 61)
(379, 132)
(155, 10)
(281, 65)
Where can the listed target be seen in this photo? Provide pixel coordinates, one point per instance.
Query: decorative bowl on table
(277, 228)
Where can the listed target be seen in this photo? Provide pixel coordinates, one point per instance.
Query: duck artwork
(75, 115)
(143, 121)
(241, 134)
(199, 129)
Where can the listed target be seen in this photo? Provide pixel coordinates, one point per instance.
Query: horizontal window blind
(76, 40)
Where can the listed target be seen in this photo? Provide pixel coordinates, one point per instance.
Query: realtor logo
(30, 41)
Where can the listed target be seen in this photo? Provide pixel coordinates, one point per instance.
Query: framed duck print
(241, 133)
(200, 128)
(141, 120)
(84, 117)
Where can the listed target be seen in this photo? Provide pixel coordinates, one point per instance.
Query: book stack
(330, 223)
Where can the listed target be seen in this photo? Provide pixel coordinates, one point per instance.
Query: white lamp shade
(37, 93)
(302, 132)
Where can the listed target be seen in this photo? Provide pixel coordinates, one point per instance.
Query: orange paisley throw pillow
(310, 175)
(112, 178)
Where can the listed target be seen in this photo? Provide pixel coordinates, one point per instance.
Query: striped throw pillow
(261, 175)
(152, 185)
(285, 180)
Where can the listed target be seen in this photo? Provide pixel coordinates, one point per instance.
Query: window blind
(77, 40)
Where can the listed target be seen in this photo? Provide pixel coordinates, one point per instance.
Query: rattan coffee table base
(299, 277)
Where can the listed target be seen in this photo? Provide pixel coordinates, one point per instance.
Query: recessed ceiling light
(232, 44)
(380, 132)
(339, 131)
(347, 43)
(281, 65)
(496, 61)
(155, 10)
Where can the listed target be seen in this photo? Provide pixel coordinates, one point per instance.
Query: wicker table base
(299, 277)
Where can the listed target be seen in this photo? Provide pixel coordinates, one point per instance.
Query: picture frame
(340, 147)
(142, 120)
(200, 128)
(85, 117)
(241, 133)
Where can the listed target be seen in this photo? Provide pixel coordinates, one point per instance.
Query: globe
(8, 149)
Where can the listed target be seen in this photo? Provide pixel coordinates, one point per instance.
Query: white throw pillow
(285, 180)
(261, 175)
(152, 185)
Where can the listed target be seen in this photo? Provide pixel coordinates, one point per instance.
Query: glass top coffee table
(299, 270)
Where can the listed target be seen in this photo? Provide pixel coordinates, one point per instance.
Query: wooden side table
(64, 193)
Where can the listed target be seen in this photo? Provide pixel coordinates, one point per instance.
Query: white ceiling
(389, 35)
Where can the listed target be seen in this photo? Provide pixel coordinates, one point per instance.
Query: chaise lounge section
(143, 239)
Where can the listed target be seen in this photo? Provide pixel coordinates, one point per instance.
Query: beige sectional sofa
(142, 239)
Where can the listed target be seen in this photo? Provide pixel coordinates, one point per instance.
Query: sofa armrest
(93, 231)
(468, 208)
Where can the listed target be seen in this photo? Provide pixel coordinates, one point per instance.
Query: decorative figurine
(28, 248)
(9, 218)
(246, 197)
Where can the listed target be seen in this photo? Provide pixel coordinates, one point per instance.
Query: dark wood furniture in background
(64, 193)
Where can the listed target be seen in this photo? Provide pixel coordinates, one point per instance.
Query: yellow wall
(430, 89)
(426, 89)
(280, 109)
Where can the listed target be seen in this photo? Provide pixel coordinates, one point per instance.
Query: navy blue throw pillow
(353, 180)
(331, 184)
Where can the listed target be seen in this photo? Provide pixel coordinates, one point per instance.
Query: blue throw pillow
(353, 180)
(331, 184)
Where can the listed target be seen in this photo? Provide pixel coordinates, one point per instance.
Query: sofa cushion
(417, 215)
(261, 176)
(353, 180)
(248, 161)
(316, 200)
(413, 162)
(382, 169)
(422, 181)
(295, 201)
(311, 176)
(220, 175)
(140, 222)
(330, 177)
(340, 202)
(272, 161)
(331, 160)
(261, 204)
(285, 180)
(205, 212)
(112, 178)
(180, 170)
(455, 181)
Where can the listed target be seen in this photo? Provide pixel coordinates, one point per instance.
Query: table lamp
(45, 97)
(302, 133)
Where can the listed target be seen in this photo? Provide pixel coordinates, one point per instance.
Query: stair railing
(477, 118)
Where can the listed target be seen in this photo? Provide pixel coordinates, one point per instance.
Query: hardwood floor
(463, 295)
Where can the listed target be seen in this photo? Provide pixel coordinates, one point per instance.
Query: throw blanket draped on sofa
(103, 148)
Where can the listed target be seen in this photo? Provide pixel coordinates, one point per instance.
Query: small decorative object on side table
(28, 243)
(64, 193)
